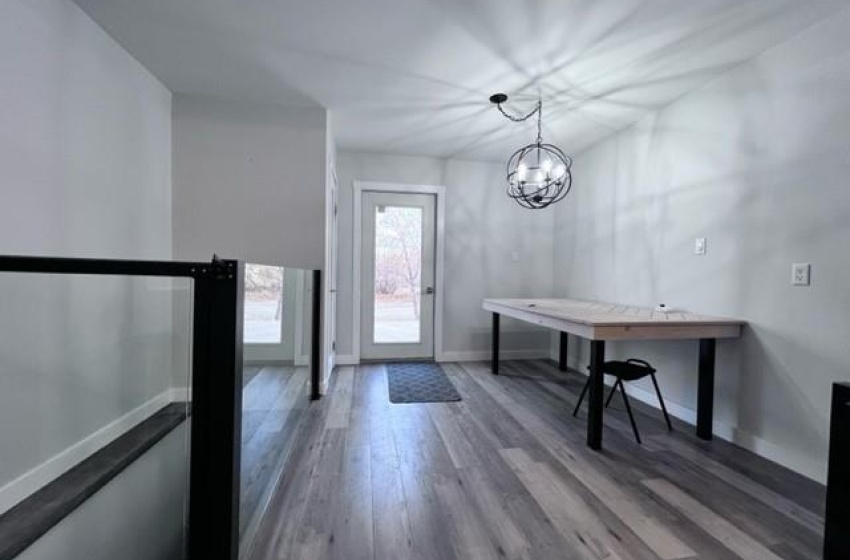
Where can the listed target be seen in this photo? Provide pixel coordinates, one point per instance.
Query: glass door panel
(397, 275)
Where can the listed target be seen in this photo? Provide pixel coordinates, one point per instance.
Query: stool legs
(629, 410)
(581, 398)
(661, 402)
(584, 392)
(619, 383)
(613, 390)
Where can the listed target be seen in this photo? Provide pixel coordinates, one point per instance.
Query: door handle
(428, 291)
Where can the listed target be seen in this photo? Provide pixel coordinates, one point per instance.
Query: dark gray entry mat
(418, 382)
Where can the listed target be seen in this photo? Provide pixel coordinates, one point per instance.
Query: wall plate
(699, 246)
(801, 274)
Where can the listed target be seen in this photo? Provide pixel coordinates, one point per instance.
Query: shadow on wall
(756, 163)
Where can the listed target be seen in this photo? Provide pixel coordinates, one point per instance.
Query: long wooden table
(599, 322)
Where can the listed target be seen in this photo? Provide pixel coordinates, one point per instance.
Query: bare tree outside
(398, 272)
(263, 303)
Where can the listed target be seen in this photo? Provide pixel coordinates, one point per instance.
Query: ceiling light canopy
(538, 174)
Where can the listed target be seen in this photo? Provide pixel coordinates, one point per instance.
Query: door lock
(428, 291)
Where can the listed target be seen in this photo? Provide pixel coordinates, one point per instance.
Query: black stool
(630, 370)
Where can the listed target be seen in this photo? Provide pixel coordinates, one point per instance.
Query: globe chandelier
(538, 174)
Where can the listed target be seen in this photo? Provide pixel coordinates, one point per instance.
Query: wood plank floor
(505, 474)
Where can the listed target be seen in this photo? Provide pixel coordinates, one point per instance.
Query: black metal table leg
(597, 392)
(494, 362)
(705, 389)
(562, 351)
(316, 340)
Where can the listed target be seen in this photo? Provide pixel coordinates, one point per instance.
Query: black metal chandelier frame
(538, 174)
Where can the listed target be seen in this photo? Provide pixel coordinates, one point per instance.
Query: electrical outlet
(801, 274)
(699, 246)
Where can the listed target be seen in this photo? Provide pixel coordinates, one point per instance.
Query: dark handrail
(116, 267)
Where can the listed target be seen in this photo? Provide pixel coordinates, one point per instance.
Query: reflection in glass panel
(263, 304)
(275, 396)
(398, 267)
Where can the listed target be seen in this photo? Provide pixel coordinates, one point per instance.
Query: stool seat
(628, 370)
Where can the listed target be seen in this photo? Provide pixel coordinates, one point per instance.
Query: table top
(610, 321)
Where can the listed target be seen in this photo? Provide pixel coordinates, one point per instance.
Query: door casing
(439, 192)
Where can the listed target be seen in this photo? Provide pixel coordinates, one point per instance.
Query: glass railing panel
(94, 371)
(276, 381)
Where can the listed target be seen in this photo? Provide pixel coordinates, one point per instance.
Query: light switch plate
(699, 246)
(801, 274)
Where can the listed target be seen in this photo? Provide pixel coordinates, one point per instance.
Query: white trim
(330, 276)
(807, 466)
(440, 193)
(463, 356)
(26, 484)
(300, 313)
(347, 360)
(180, 394)
(484, 355)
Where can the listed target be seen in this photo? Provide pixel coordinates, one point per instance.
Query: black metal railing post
(316, 338)
(216, 412)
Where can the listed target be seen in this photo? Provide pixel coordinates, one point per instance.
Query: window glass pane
(263, 304)
(398, 263)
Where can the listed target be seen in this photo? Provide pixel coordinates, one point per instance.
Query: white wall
(85, 153)
(758, 163)
(85, 150)
(483, 229)
(249, 182)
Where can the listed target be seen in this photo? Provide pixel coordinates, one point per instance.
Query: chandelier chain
(539, 121)
(533, 112)
(538, 110)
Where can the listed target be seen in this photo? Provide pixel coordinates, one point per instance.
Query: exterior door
(397, 294)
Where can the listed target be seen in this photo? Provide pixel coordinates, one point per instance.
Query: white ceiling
(413, 76)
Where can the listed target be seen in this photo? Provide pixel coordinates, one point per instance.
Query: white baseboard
(484, 355)
(462, 356)
(347, 360)
(180, 394)
(31, 481)
(806, 466)
(270, 362)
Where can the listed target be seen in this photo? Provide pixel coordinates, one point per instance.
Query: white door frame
(440, 193)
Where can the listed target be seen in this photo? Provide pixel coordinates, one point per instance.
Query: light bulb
(547, 166)
(521, 171)
(539, 177)
(560, 171)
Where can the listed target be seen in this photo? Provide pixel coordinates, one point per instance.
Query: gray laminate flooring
(505, 474)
